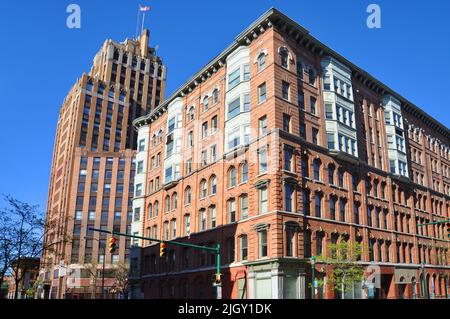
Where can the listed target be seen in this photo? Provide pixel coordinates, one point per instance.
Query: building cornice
(271, 18)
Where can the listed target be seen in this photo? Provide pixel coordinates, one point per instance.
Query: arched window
(188, 195)
(156, 207)
(111, 93)
(203, 189)
(205, 103)
(319, 244)
(317, 169)
(154, 139)
(244, 172)
(160, 136)
(261, 61)
(213, 185)
(150, 210)
(284, 56)
(167, 203)
(330, 174)
(215, 96)
(341, 180)
(318, 204)
(232, 177)
(191, 113)
(174, 200)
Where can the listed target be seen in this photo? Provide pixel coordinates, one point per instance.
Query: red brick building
(276, 149)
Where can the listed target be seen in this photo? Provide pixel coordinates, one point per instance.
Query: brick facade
(374, 204)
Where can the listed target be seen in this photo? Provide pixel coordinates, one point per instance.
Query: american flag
(144, 8)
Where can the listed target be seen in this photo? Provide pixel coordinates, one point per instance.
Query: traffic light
(162, 249)
(112, 244)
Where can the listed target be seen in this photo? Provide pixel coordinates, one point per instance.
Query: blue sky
(40, 58)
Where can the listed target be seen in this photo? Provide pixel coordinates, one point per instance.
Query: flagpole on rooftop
(137, 23)
(143, 20)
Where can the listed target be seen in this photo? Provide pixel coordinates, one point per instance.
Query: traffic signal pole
(216, 250)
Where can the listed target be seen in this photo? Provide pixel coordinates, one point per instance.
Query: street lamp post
(313, 288)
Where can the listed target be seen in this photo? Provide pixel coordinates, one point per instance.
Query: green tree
(343, 258)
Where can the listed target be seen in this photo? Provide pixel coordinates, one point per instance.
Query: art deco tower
(92, 173)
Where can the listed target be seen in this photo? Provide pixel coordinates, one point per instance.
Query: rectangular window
(234, 138)
(288, 155)
(263, 200)
(331, 141)
(244, 207)
(214, 124)
(312, 102)
(262, 93)
(263, 125)
(262, 158)
(232, 211)
(289, 198)
(246, 102)
(140, 167)
(246, 72)
(301, 100)
(305, 203)
(205, 130)
(141, 147)
(138, 191)
(262, 239)
(285, 90)
(328, 111)
(234, 108)
(315, 136)
(244, 247)
(286, 123)
(212, 216)
(289, 243)
(234, 78)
